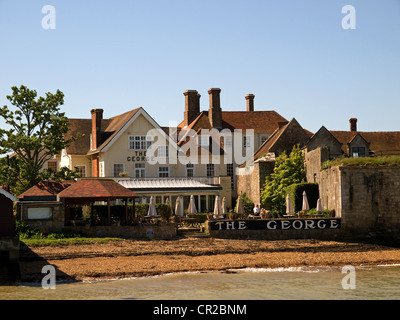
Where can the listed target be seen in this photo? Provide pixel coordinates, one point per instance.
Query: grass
(35, 238)
(363, 162)
(66, 242)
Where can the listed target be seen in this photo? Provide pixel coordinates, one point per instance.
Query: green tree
(288, 169)
(35, 134)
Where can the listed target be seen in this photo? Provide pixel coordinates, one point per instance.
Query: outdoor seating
(188, 223)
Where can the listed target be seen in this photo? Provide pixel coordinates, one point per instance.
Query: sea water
(304, 283)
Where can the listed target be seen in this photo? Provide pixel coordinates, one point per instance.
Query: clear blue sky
(293, 55)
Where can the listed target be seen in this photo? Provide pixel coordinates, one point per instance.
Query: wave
(307, 269)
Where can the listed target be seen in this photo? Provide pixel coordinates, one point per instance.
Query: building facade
(201, 153)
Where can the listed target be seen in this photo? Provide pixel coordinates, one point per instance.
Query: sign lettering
(278, 224)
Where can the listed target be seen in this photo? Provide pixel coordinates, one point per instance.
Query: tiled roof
(115, 125)
(283, 139)
(46, 188)
(259, 121)
(96, 188)
(110, 127)
(382, 143)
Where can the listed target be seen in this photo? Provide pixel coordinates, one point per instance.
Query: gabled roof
(111, 130)
(7, 194)
(114, 128)
(45, 189)
(322, 130)
(82, 127)
(96, 188)
(381, 142)
(283, 139)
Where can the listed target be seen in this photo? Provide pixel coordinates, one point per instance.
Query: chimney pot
(215, 112)
(192, 106)
(353, 124)
(250, 102)
(97, 116)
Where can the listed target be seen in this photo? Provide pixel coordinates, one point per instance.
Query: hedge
(296, 194)
(141, 210)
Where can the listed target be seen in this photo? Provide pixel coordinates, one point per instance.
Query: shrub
(288, 170)
(164, 210)
(24, 231)
(141, 209)
(363, 161)
(296, 194)
(248, 205)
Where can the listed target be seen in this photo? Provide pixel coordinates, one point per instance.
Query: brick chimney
(215, 112)
(250, 102)
(192, 106)
(353, 124)
(97, 116)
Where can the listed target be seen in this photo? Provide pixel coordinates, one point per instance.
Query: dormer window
(357, 152)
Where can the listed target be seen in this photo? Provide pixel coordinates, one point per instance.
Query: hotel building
(197, 157)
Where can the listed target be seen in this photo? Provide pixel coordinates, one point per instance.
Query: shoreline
(136, 259)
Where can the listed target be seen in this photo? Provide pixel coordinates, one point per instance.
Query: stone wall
(366, 198)
(53, 224)
(251, 180)
(313, 161)
(164, 231)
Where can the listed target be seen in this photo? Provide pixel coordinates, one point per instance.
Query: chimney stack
(353, 124)
(215, 112)
(97, 116)
(250, 102)
(192, 106)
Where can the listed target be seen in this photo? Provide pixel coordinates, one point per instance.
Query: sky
(293, 55)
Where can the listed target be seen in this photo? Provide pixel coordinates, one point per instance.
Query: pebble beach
(133, 258)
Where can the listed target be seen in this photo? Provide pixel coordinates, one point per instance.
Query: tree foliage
(288, 170)
(35, 133)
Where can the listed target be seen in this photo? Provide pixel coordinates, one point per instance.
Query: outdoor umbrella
(305, 202)
(192, 205)
(177, 207)
(289, 205)
(239, 206)
(223, 205)
(152, 208)
(319, 206)
(217, 208)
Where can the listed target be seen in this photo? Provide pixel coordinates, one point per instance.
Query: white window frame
(163, 172)
(190, 168)
(210, 167)
(52, 161)
(142, 143)
(140, 170)
(118, 164)
(101, 168)
(84, 168)
(163, 152)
